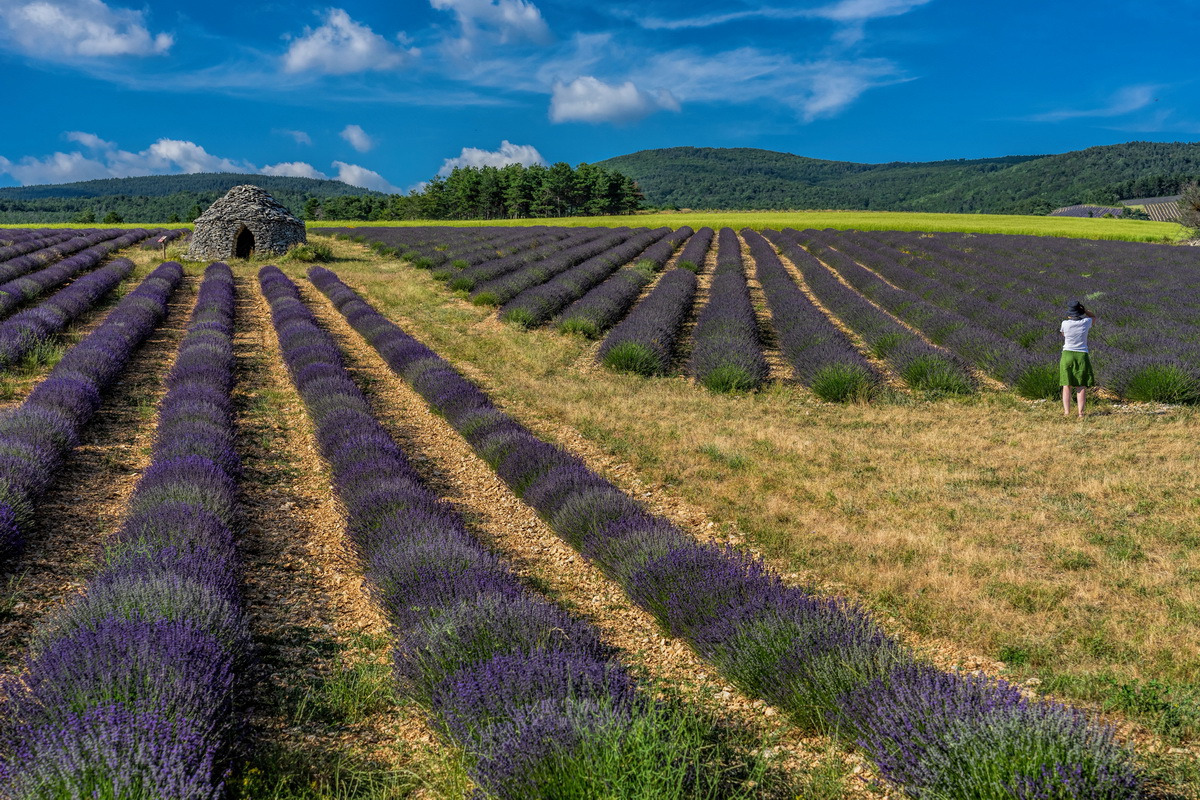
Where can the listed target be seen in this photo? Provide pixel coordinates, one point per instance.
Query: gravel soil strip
(316, 627)
(683, 342)
(450, 467)
(86, 504)
(780, 369)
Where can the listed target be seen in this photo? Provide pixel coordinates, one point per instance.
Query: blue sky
(387, 95)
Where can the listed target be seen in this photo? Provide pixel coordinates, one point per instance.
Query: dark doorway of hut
(243, 246)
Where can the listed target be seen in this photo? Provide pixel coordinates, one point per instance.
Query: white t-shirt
(1075, 333)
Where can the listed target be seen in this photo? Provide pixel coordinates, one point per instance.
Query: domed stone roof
(246, 220)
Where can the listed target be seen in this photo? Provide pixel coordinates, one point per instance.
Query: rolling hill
(745, 178)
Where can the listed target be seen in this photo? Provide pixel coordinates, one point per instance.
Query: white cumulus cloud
(363, 177)
(59, 30)
(508, 153)
(358, 138)
(588, 99)
(294, 169)
(342, 46)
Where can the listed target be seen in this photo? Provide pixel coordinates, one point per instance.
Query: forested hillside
(743, 178)
(155, 198)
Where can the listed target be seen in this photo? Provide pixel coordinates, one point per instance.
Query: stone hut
(246, 220)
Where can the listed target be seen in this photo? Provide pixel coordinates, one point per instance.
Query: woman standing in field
(1075, 367)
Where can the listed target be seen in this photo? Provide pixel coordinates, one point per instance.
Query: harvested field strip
(822, 660)
(533, 695)
(448, 465)
(325, 719)
(84, 507)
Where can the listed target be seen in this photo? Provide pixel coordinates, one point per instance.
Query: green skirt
(1075, 369)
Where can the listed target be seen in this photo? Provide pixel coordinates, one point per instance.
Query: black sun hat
(1075, 309)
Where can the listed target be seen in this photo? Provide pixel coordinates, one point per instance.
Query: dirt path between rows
(87, 502)
(450, 468)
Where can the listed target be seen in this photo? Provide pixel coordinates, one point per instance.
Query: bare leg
(1081, 399)
(1066, 401)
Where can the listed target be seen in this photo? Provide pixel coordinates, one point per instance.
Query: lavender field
(930, 312)
(259, 538)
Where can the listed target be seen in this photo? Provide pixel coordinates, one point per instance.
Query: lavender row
(21, 246)
(130, 692)
(644, 342)
(162, 237)
(822, 357)
(695, 251)
(27, 330)
(473, 275)
(83, 241)
(824, 660)
(987, 350)
(538, 304)
(504, 288)
(36, 436)
(17, 291)
(532, 695)
(922, 365)
(606, 304)
(726, 350)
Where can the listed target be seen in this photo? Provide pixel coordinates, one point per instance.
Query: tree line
(514, 191)
(509, 192)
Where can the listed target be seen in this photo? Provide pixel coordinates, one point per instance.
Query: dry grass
(990, 523)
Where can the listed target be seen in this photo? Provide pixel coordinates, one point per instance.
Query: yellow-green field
(1080, 228)
(1074, 227)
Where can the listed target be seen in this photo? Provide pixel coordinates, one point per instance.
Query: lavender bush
(824, 660)
(695, 251)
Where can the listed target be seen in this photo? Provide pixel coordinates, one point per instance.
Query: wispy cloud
(66, 30)
(299, 137)
(846, 11)
(508, 153)
(342, 46)
(814, 89)
(1126, 101)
